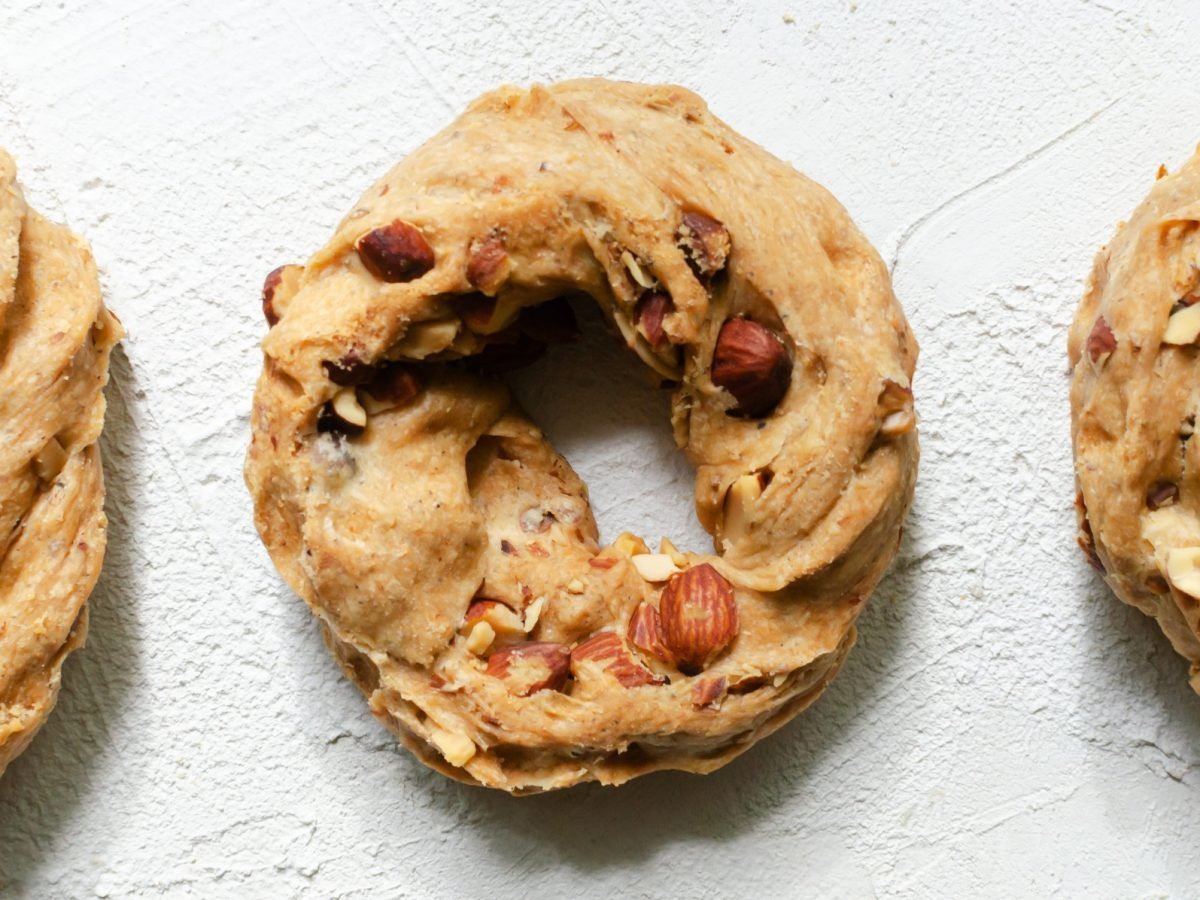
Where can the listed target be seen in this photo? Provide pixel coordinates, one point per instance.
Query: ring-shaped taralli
(1135, 392)
(55, 341)
(451, 553)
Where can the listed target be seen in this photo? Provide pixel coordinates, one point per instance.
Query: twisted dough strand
(55, 339)
(451, 553)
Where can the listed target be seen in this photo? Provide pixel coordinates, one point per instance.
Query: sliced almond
(902, 421)
(348, 409)
(488, 315)
(427, 338)
(575, 586)
(1183, 327)
(457, 748)
(739, 504)
(502, 618)
(50, 460)
(1183, 570)
(655, 566)
(636, 271)
(532, 613)
(665, 546)
(630, 544)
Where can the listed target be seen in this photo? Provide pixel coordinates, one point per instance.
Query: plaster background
(1004, 727)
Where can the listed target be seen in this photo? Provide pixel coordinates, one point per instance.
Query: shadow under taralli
(1132, 658)
(45, 786)
(592, 827)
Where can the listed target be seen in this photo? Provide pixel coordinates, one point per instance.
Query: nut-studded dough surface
(1135, 393)
(55, 339)
(451, 553)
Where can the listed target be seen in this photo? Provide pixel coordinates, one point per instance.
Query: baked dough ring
(452, 502)
(1135, 393)
(55, 338)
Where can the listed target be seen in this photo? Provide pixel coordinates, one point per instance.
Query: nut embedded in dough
(1133, 410)
(489, 264)
(531, 667)
(699, 616)
(394, 253)
(1101, 343)
(595, 668)
(1183, 326)
(1183, 570)
(649, 314)
(706, 243)
(751, 363)
(738, 507)
(606, 651)
(655, 566)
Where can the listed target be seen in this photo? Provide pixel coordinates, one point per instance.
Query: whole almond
(396, 252)
(531, 667)
(699, 617)
(751, 362)
(606, 649)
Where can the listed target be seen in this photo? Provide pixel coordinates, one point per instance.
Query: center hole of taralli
(603, 410)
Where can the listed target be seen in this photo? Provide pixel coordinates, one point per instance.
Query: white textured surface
(1004, 728)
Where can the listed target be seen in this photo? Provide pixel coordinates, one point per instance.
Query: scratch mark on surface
(916, 226)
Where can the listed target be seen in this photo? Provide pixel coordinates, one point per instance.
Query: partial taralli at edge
(451, 553)
(1135, 393)
(55, 340)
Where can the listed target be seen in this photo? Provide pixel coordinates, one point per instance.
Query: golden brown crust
(391, 517)
(55, 338)
(1134, 398)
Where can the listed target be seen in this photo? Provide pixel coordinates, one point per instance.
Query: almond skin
(531, 667)
(608, 650)
(348, 371)
(396, 252)
(1101, 342)
(752, 363)
(699, 617)
(1162, 493)
(645, 632)
(705, 243)
(708, 692)
(393, 385)
(488, 264)
(649, 313)
(270, 285)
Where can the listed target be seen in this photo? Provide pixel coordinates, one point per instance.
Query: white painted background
(1004, 728)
